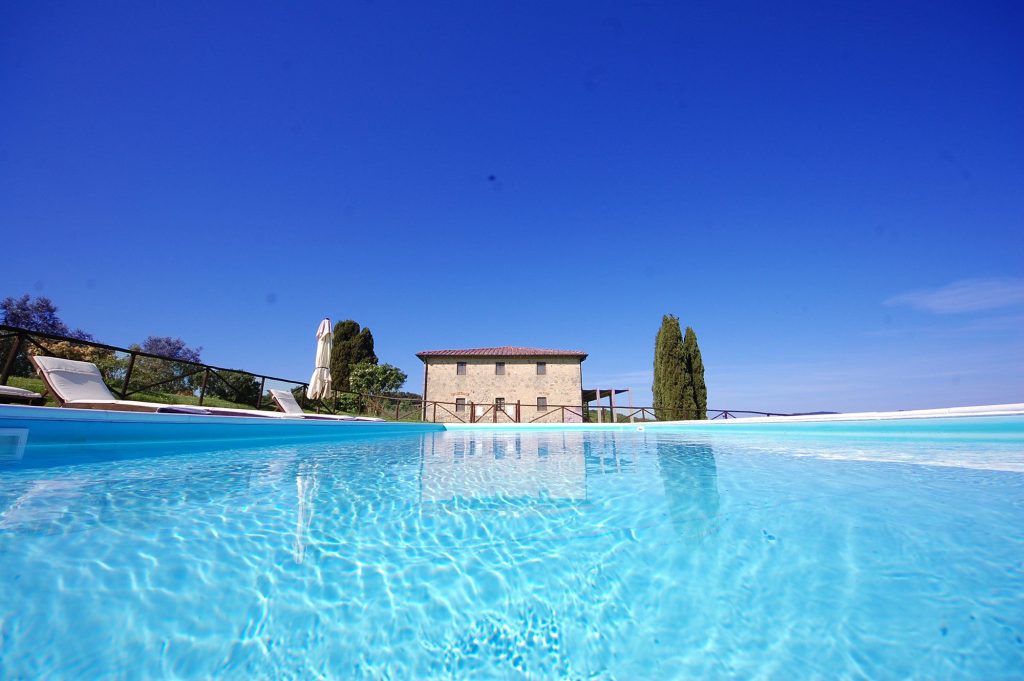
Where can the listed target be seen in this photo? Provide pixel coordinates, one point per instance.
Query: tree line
(169, 375)
(354, 364)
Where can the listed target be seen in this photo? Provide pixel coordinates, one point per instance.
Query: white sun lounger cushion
(290, 406)
(74, 381)
(286, 401)
(17, 392)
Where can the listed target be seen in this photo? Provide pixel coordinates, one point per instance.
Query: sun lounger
(11, 395)
(80, 385)
(287, 403)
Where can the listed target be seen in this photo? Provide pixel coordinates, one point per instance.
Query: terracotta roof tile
(503, 351)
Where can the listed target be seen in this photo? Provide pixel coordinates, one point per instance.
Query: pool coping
(1014, 409)
(89, 427)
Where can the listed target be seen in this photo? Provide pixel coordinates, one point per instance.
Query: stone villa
(503, 385)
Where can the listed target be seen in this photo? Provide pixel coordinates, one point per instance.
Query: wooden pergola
(592, 394)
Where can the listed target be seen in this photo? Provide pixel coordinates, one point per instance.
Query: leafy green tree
(37, 314)
(236, 386)
(166, 375)
(695, 376)
(376, 382)
(669, 371)
(350, 346)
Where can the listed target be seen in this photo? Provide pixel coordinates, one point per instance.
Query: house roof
(503, 351)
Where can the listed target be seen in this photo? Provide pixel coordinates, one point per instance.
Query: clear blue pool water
(558, 554)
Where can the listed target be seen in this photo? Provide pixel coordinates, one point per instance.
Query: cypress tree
(697, 392)
(345, 331)
(362, 348)
(351, 346)
(669, 370)
(688, 405)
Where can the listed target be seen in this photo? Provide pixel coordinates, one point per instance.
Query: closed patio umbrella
(320, 383)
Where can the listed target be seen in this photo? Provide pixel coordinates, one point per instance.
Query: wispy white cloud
(900, 379)
(968, 326)
(623, 379)
(966, 295)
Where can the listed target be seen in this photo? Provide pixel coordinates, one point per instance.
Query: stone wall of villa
(561, 385)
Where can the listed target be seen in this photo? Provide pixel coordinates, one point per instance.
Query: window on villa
(499, 368)
(542, 404)
(460, 404)
(542, 368)
(499, 403)
(460, 368)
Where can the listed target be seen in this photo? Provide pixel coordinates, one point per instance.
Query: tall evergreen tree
(362, 348)
(669, 370)
(351, 346)
(697, 390)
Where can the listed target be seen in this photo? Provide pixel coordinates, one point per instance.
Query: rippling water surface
(623, 555)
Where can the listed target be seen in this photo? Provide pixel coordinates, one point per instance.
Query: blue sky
(832, 195)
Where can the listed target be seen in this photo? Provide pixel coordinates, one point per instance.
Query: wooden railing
(118, 372)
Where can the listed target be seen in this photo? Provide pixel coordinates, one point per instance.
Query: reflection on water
(571, 466)
(546, 467)
(307, 484)
(690, 477)
(502, 465)
(41, 503)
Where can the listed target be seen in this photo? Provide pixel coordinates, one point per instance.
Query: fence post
(494, 413)
(263, 384)
(128, 376)
(202, 388)
(434, 419)
(519, 411)
(9, 363)
(397, 405)
(472, 413)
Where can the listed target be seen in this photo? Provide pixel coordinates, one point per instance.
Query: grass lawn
(37, 385)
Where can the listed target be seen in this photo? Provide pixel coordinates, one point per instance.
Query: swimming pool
(867, 550)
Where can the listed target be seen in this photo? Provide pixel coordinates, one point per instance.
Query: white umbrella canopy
(320, 383)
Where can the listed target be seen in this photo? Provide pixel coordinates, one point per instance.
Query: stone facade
(481, 387)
